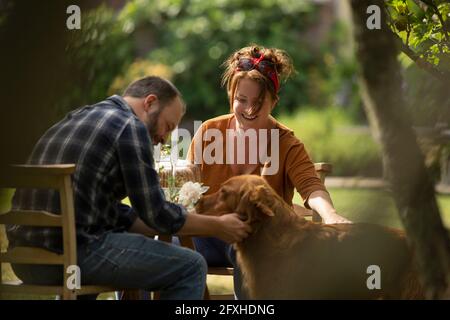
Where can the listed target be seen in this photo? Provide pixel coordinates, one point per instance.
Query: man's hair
(163, 89)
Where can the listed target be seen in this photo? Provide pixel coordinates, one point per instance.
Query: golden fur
(289, 257)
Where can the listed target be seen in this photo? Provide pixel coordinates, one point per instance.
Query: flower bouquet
(187, 195)
(190, 193)
(179, 180)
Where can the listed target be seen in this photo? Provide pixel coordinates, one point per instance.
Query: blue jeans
(218, 253)
(131, 261)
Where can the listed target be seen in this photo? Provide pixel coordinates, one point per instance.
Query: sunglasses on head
(265, 67)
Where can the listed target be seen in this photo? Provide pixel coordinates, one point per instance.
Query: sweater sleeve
(301, 172)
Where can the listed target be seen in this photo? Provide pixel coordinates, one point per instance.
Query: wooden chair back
(56, 177)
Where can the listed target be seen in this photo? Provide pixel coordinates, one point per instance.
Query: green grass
(374, 206)
(358, 205)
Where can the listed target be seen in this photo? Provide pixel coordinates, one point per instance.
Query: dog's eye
(243, 216)
(224, 194)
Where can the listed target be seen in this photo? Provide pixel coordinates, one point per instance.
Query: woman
(252, 78)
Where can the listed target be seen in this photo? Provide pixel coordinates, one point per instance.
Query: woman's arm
(320, 201)
(303, 175)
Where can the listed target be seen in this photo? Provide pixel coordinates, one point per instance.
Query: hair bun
(281, 60)
(256, 52)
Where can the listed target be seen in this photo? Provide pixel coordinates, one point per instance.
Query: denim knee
(198, 263)
(201, 264)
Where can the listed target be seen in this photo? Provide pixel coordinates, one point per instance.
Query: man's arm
(228, 227)
(142, 182)
(156, 215)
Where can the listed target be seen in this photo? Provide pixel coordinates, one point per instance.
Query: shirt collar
(120, 102)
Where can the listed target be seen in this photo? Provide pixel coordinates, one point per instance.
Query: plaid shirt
(112, 151)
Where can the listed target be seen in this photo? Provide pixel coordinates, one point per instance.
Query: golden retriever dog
(289, 257)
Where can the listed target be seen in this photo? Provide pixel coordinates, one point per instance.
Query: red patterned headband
(265, 67)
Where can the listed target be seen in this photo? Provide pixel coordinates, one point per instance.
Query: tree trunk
(403, 162)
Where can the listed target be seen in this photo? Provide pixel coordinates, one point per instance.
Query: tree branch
(421, 63)
(441, 19)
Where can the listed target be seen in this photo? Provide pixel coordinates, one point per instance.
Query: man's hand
(232, 229)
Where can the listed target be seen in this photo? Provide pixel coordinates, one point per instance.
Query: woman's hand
(321, 202)
(335, 218)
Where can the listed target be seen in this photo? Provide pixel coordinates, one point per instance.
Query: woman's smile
(248, 117)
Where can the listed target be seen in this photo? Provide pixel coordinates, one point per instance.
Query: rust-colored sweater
(296, 169)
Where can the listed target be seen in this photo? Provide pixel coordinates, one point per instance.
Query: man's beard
(152, 125)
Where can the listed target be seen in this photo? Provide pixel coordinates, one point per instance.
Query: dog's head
(250, 196)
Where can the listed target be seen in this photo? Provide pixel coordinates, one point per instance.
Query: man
(110, 142)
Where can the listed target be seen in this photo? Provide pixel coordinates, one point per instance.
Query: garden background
(187, 41)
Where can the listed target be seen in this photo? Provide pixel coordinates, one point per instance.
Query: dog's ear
(263, 200)
(254, 201)
(245, 208)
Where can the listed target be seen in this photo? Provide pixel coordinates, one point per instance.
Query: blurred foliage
(423, 31)
(194, 37)
(331, 135)
(428, 98)
(424, 27)
(96, 55)
(5, 205)
(5, 9)
(137, 70)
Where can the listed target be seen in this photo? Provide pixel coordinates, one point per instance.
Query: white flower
(190, 193)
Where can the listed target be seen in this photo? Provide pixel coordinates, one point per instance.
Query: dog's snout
(199, 206)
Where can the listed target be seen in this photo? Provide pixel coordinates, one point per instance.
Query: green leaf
(415, 9)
